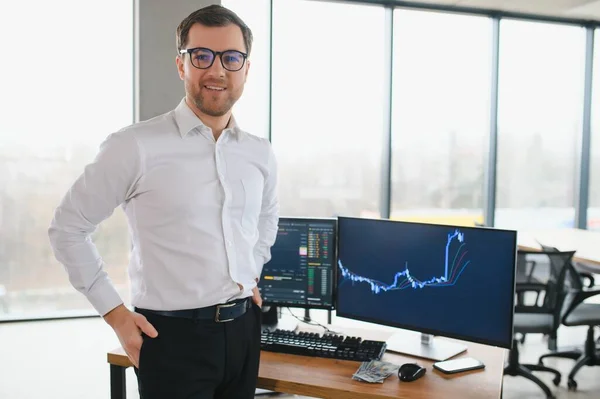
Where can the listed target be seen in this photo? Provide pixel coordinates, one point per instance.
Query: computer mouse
(410, 372)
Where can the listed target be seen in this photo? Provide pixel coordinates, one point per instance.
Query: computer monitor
(451, 281)
(301, 270)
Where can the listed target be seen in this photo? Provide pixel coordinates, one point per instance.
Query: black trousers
(200, 359)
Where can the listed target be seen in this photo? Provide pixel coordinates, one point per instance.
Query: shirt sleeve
(269, 216)
(105, 183)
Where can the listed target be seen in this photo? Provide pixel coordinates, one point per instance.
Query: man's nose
(216, 68)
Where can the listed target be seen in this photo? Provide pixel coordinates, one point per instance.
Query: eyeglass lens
(231, 60)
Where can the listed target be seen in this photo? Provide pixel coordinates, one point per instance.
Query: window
(252, 109)
(328, 96)
(594, 199)
(440, 117)
(539, 123)
(66, 85)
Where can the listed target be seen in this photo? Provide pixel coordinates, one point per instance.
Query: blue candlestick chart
(404, 279)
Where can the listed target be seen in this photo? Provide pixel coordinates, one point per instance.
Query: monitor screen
(301, 270)
(456, 282)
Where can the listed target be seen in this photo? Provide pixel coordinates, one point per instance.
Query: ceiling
(577, 9)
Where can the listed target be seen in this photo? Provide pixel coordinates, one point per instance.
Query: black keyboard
(327, 345)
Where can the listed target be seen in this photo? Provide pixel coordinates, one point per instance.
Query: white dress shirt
(202, 213)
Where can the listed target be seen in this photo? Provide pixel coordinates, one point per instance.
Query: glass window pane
(440, 122)
(539, 123)
(62, 96)
(594, 204)
(328, 97)
(252, 109)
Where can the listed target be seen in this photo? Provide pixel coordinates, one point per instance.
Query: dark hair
(213, 15)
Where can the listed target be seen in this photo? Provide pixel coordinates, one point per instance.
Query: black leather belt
(220, 313)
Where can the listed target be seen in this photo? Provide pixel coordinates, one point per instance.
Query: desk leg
(117, 382)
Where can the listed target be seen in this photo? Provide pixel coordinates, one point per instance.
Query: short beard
(198, 101)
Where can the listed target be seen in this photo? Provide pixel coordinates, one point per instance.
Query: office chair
(525, 274)
(543, 315)
(579, 313)
(581, 268)
(526, 268)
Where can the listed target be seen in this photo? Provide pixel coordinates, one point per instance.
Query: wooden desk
(330, 378)
(586, 243)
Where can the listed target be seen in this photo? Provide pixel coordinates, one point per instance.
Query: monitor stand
(272, 320)
(307, 315)
(308, 319)
(426, 346)
(285, 323)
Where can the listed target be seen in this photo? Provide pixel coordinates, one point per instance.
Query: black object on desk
(458, 365)
(410, 372)
(327, 345)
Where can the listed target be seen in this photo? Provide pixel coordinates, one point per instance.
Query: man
(200, 197)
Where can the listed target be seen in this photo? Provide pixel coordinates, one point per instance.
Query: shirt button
(228, 243)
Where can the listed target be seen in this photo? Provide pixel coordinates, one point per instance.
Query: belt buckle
(218, 312)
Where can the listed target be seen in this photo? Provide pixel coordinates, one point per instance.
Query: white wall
(158, 87)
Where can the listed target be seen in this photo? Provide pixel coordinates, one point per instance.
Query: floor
(67, 359)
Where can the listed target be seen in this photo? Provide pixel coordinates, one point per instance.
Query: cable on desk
(312, 323)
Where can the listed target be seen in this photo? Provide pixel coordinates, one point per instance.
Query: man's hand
(128, 326)
(256, 296)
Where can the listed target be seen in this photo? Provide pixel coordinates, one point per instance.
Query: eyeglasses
(203, 58)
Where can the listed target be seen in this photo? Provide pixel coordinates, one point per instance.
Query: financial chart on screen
(442, 280)
(301, 270)
(454, 263)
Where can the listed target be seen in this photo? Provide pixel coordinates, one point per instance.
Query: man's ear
(247, 69)
(180, 66)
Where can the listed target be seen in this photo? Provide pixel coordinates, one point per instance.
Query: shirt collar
(187, 121)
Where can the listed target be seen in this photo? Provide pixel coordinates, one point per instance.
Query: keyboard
(327, 345)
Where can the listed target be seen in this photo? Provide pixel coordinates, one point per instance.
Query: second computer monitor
(302, 266)
(451, 281)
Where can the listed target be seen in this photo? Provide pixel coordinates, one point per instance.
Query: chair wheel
(556, 381)
(571, 384)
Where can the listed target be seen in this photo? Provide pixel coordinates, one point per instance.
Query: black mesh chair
(527, 267)
(585, 272)
(542, 315)
(579, 313)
